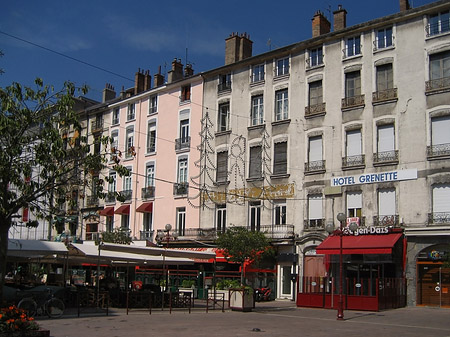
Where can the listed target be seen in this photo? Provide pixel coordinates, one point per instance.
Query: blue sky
(122, 36)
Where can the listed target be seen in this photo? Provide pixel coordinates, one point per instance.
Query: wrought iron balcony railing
(226, 86)
(436, 28)
(314, 110)
(97, 125)
(352, 102)
(146, 235)
(92, 200)
(110, 197)
(353, 161)
(437, 84)
(436, 151)
(385, 157)
(180, 189)
(384, 95)
(182, 143)
(127, 195)
(148, 192)
(315, 166)
(386, 220)
(311, 224)
(439, 218)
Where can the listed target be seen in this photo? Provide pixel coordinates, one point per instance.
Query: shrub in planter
(13, 319)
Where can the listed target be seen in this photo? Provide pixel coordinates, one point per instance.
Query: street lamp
(167, 237)
(341, 217)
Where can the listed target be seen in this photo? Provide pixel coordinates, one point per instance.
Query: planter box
(241, 299)
(27, 333)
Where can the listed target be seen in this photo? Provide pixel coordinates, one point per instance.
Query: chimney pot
(339, 18)
(320, 24)
(237, 47)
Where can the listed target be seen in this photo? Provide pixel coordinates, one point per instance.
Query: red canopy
(124, 209)
(361, 244)
(107, 211)
(146, 207)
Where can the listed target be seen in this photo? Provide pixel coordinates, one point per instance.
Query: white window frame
(115, 116)
(254, 216)
(129, 141)
(279, 213)
(182, 170)
(258, 73)
(221, 218)
(315, 57)
(153, 104)
(151, 136)
(384, 38)
(282, 66)
(281, 104)
(223, 122)
(257, 114)
(150, 174)
(181, 220)
(131, 111)
(353, 46)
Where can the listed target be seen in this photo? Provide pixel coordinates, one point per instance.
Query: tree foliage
(43, 155)
(118, 235)
(241, 245)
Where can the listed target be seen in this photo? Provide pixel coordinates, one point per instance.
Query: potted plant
(14, 322)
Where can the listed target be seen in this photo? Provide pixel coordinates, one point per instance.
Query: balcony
(314, 224)
(352, 102)
(146, 235)
(315, 110)
(92, 200)
(126, 195)
(436, 28)
(385, 158)
(206, 234)
(317, 166)
(439, 151)
(180, 189)
(222, 87)
(110, 197)
(182, 143)
(384, 96)
(97, 126)
(386, 220)
(437, 85)
(353, 162)
(439, 218)
(148, 192)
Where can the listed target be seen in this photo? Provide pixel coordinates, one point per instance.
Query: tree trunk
(4, 230)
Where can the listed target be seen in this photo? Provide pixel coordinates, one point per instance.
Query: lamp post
(341, 217)
(166, 237)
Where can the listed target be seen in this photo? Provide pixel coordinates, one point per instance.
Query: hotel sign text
(371, 178)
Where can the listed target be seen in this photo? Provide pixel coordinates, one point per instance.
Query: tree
(39, 162)
(118, 235)
(241, 245)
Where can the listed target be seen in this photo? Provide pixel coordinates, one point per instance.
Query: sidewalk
(276, 318)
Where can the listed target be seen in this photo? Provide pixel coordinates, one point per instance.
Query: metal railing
(352, 102)
(92, 200)
(272, 232)
(146, 235)
(386, 220)
(224, 86)
(384, 95)
(439, 218)
(437, 84)
(127, 194)
(385, 157)
(351, 161)
(180, 188)
(439, 150)
(313, 166)
(437, 28)
(182, 143)
(148, 192)
(97, 125)
(316, 109)
(314, 224)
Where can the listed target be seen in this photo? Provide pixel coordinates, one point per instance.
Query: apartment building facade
(352, 121)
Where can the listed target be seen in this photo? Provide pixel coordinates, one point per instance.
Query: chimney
(177, 71)
(147, 80)
(188, 71)
(340, 19)
(404, 5)
(320, 24)
(108, 93)
(158, 79)
(237, 47)
(138, 82)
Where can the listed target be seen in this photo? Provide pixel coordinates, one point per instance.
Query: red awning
(146, 207)
(361, 244)
(124, 209)
(107, 211)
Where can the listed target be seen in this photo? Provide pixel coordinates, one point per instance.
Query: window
(315, 93)
(115, 116)
(282, 67)
(386, 143)
(185, 93)
(97, 145)
(280, 158)
(129, 143)
(279, 213)
(222, 167)
(151, 137)
(354, 156)
(315, 57)
(315, 154)
(127, 186)
(353, 46)
(109, 223)
(257, 110)
(281, 105)
(383, 38)
(112, 182)
(255, 163)
(440, 136)
(181, 220)
(184, 131)
(258, 73)
(440, 65)
(114, 141)
(153, 104)
(131, 113)
(438, 23)
(386, 206)
(353, 84)
(221, 218)
(441, 203)
(182, 170)
(255, 216)
(150, 175)
(125, 221)
(315, 208)
(354, 204)
(224, 117)
(385, 80)
(224, 82)
(147, 225)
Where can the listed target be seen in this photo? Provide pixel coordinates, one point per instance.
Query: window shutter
(280, 158)
(441, 198)
(222, 166)
(354, 200)
(353, 143)
(440, 127)
(386, 202)
(315, 206)
(386, 138)
(255, 170)
(315, 148)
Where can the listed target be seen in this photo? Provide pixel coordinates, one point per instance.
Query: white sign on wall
(371, 178)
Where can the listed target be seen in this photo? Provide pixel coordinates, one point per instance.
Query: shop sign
(370, 230)
(436, 255)
(372, 178)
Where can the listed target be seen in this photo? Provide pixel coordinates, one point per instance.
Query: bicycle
(42, 303)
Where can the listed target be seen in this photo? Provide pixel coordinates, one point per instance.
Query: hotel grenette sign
(371, 178)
